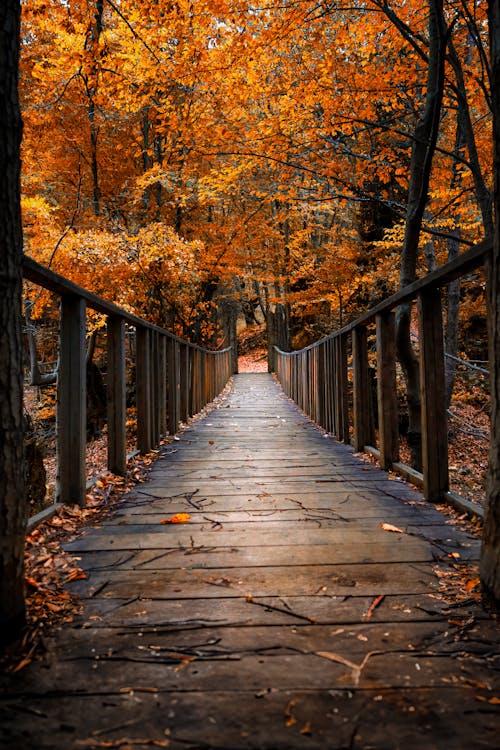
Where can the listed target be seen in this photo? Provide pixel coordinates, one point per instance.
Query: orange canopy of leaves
(173, 148)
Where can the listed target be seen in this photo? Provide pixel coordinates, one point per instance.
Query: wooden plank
(386, 390)
(292, 580)
(434, 416)
(71, 404)
(249, 717)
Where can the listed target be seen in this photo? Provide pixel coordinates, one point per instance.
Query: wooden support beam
(342, 395)
(173, 385)
(386, 390)
(321, 385)
(155, 389)
(432, 389)
(363, 421)
(116, 391)
(162, 385)
(71, 403)
(143, 390)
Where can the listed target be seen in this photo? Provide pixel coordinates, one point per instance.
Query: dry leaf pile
(48, 567)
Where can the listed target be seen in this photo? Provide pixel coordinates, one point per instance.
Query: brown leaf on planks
(355, 668)
(390, 527)
(290, 718)
(177, 518)
(492, 701)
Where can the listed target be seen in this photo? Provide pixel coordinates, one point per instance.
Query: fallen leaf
(306, 729)
(23, 663)
(177, 518)
(390, 527)
(493, 701)
(75, 575)
(472, 584)
(290, 718)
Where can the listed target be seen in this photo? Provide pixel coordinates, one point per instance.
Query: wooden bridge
(309, 600)
(286, 613)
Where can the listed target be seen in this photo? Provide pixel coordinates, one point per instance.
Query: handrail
(316, 377)
(174, 380)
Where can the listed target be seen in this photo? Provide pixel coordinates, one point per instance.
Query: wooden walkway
(282, 615)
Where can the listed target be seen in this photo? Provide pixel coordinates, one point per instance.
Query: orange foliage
(171, 148)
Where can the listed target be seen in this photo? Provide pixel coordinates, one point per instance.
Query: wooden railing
(173, 381)
(317, 379)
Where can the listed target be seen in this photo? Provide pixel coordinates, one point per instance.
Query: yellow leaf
(390, 527)
(177, 518)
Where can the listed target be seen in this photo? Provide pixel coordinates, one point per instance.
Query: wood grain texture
(282, 615)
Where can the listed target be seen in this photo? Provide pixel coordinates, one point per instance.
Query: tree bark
(13, 510)
(490, 553)
(424, 144)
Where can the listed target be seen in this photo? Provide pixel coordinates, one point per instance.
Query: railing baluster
(143, 389)
(363, 423)
(71, 403)
(116, 391)
(432, 391)
(173, 385)
(386, 390)
(162, 384)
(342, 394)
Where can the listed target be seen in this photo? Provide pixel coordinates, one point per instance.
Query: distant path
(254, 361)
(282, 615)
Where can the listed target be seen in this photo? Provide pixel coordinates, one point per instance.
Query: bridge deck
(254, 625)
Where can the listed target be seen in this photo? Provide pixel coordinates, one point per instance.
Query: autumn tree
(12, 480)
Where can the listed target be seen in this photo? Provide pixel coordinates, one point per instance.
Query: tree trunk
(424, 144)
(12, 473)
(490, 553)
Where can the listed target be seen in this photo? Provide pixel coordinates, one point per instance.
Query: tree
(490, 552)
(12, 480)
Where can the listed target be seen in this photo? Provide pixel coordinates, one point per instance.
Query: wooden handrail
(316, 378)
(174, 380)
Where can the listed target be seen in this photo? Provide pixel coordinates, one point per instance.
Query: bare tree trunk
(91, 85)
(424, 144)
(13, 510)
(37, 377)
(490, 552)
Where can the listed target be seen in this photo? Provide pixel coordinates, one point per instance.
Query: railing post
(173, 385)
(155, 389)
(71, 403)
(363, 423)
(386, 390)
(143, 389)
(329, 387)
(162, 384)
(432, 392)
(341, 401)
(184, 382)
(320, 383)
(116, 391)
